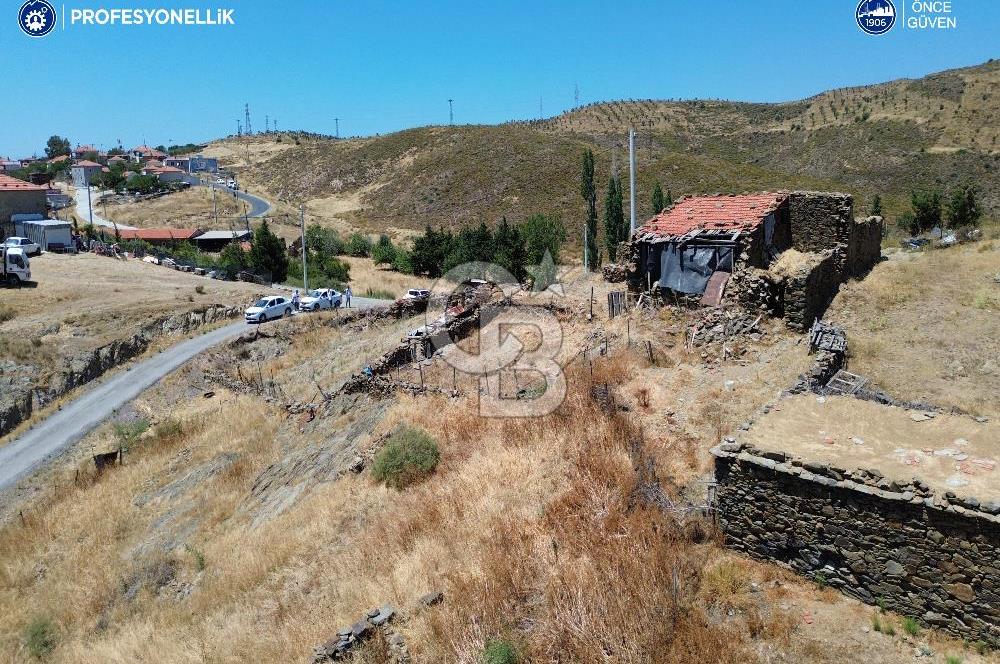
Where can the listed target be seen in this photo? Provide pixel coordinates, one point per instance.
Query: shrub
(359, 245)
(911, 626)
(409, 456)
(40, 637)
(953, 659)
(7, 312)
(500, 651)
(200, 290)
(169, 429)
(128, 432)
(876, 623)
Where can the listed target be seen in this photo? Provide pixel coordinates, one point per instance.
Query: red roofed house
(680, 248)
(81, 151)
(84, 172)
(144, 152)
(159, 235)
(19, 197)
(695, 249)
(167, 173)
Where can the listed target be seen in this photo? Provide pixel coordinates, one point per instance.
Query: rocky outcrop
(933, 557)
(20, 397)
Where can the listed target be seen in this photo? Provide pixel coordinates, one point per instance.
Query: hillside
(888, 138)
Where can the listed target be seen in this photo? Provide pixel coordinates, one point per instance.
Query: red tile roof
(87, 164)
(7, 183)
(725, 213)
(162, 234)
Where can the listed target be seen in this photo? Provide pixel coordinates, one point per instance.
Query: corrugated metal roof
(223, 235)
(151, 234)
(742, 212)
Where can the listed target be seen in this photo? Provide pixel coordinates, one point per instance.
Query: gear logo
(36, 18)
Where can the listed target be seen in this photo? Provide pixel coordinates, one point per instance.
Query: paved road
(83, 208)
(258, 206)
(35, 447)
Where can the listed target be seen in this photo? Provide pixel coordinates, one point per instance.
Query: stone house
(784, 253)
(84, 172)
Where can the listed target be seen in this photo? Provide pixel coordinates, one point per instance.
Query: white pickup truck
(15, 267)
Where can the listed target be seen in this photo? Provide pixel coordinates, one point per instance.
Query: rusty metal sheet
(715, 288)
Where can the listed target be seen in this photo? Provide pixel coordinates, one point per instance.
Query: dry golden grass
(83, 301)
(924, 326)
(366, 275)
(190, 208)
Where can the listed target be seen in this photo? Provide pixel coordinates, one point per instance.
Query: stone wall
(864, 247)
(934, 558)
(809, 291)
(819, 220)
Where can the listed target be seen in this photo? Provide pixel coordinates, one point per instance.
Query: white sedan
(268, 308)
(320, 298)
(24, 244)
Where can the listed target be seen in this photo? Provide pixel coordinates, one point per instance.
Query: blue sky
(384, 66)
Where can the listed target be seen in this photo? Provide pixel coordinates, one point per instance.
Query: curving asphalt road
(47, 440)
(258, 206)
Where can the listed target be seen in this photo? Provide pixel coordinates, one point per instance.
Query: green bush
(409, 456)
(40, 637)
(128, 433)
(911, 626)
(7, 312)
(500, 651)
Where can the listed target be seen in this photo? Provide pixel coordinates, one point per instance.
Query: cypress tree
(589, 192)
(658, 200)
(615, 229)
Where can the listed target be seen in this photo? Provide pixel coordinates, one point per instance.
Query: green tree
(510, 251)
(876, 210)
(112, 180)
(383, 252)
(907, 223)
(323, 241)
(542, 234)
(143, 184)
(926, 209)
(402, 261)
(963, 208)
(615, 227)
(56, 146)
(430, 251)
(658, 200)
(359, 245)
(233, 259)
(471, 244)
(268, 254)
(588, 190)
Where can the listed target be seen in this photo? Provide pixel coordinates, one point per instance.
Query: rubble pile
(718, 325)
(376, 620)
(614, 272)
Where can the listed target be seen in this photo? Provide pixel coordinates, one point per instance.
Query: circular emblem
(876, 17)
(36, 18)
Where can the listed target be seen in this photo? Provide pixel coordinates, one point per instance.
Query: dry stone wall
(864, 247)
(809, 291)
(933, 557)
(820, 220)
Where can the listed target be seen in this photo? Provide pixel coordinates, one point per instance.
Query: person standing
(347, 295)
(295, 299)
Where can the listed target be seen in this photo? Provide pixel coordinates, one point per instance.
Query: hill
(889, 138)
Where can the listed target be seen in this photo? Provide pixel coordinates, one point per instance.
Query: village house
(144, 153)
(214, 241)
(84, 172)
(83, 151)
(785, 253)
(194, 164)
(19, 198)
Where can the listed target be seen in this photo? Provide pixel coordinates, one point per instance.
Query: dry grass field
(531, 528)
(191, 208)
(84, 301)
(924, 326)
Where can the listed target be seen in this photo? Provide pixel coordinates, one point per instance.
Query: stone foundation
(934, 558)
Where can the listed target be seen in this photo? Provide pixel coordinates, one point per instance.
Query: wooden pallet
(846, 383)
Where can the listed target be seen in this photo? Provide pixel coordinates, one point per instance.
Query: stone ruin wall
(934, 558)
(809, 291)
(820, 220)
(864, 247)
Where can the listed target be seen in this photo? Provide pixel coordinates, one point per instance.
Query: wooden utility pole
(305, 266)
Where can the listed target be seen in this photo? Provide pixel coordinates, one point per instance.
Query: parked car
(417, 294)
(268, 308)
(231, 184)
(219, 181)
(24, 244)
(320, 298)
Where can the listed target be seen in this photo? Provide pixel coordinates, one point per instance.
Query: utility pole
(586, 266)
(336, 127)
(90, 206)
(451, 112)
(576, 96)
(302, 229)
(215, 205)
(631, 179)
(246, 111)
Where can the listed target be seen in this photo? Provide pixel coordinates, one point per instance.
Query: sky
(385, 66)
